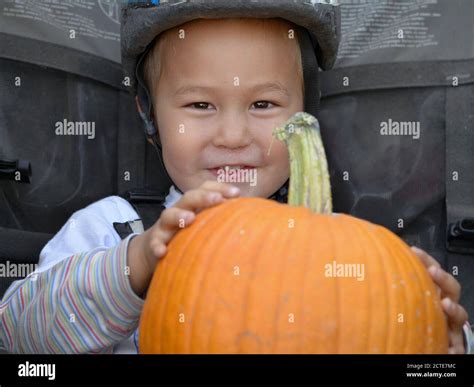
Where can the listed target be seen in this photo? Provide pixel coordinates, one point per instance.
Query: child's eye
(200, 105)
(263, 104)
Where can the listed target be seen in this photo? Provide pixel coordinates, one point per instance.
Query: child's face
(224, 86)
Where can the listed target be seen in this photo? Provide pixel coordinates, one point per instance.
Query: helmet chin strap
(144, 107)
(281, 195)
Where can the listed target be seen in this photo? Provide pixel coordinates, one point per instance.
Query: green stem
(309, 177)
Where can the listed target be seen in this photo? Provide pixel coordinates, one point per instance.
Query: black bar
(226, 369)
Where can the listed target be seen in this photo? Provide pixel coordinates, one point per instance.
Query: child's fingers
(208, 194)
(456, 350)
(425, 258)
(450, 287)
(457, 315)
(196, 199)
(227, 190)
(160, 236)
(171, 220)
(450, 291)
(158, 248)
(174, 217)
(183, 212)
(428, 261)
(456, 343)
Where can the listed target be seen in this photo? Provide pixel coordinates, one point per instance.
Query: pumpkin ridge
(359, 231)
(286, 242)
(402, 265)
(393, 303)
(375, 244)
(430, 307)
(187, 251)
(213, 220)
(290, 242)
(252, 279)
(212, 217)
(402, 254)
(277, 233)
(423, 281)
(169, 269)
(312, 267)
(158, 276)
(236, 214)
(335, 280)
(421, 284)
(410, 336)
(324, 221)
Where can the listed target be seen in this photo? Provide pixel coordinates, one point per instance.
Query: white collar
(172, 197)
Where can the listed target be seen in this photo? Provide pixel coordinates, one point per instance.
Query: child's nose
(233, 131)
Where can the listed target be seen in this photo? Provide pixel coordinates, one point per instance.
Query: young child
(89, 289)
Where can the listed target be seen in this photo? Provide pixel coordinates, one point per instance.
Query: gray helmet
(318, 23)
(143, 21)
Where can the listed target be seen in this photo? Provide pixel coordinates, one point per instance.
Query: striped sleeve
(84, 304)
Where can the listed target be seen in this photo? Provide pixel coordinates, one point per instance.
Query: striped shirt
(79, 300)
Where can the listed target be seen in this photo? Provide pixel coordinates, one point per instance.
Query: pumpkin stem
(309, 177)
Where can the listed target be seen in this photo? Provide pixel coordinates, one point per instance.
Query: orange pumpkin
(255, 276)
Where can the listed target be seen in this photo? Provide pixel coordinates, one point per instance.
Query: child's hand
(450, 291)
(144, 250)
(183, 213)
